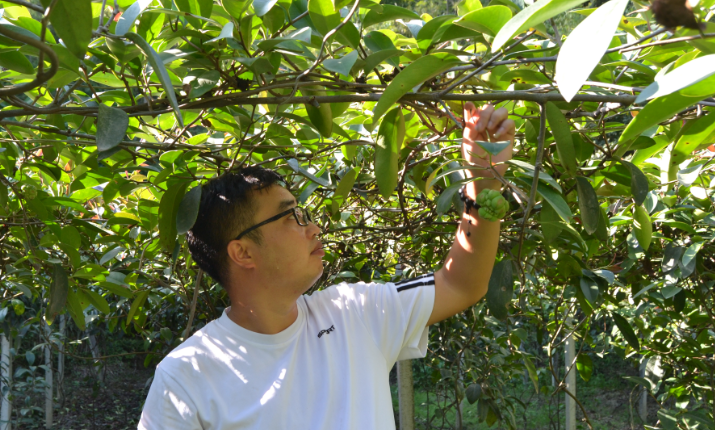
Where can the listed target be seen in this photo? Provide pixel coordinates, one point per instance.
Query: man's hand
(476, 124)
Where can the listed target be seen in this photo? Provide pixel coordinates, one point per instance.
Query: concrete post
(49, 404)
(570, 361)
(405, 390)
(5, 375)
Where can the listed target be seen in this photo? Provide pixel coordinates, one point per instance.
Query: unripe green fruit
(493, 205)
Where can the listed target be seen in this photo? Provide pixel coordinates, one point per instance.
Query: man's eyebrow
(285, 204)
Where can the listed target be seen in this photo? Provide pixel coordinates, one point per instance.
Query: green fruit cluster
(493, 205)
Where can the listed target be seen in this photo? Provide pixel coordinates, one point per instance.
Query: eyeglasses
(300, 213)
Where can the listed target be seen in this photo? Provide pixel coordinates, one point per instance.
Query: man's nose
(313, 229)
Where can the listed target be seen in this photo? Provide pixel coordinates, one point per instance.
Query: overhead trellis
(113, 113)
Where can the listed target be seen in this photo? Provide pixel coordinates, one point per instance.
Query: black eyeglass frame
(300, 219)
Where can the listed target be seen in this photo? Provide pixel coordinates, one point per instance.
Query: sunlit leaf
(585, 46)
(688, 74)
(126, 21)
(531, 16)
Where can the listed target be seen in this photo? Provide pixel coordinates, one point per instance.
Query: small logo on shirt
(327, 331)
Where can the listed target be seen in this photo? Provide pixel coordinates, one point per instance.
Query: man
(277, 359)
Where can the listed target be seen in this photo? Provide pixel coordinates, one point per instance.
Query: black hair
(227, 208)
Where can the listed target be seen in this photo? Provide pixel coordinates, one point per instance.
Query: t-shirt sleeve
(168, 406)
(395, 314)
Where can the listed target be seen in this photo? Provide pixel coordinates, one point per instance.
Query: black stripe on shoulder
(414, 279)
(421, 281)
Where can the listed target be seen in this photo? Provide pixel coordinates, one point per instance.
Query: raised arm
(464, 278)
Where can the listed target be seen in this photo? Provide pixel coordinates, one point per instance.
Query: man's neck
(264, 317)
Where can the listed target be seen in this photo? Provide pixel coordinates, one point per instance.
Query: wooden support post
(405, 390)
(5, 382)
(570, 361)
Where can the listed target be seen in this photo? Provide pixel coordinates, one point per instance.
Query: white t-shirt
(328, 370)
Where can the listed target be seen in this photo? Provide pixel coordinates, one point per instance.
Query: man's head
(281, 250)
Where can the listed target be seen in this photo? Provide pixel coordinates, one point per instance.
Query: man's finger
(497, 118)
(484, 116)
(506, 129)
(468, 113)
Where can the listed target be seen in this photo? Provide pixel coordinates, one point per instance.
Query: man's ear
(241, 253)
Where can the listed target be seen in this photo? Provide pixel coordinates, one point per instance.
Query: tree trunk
(5, 383)
(405, 390)
(49, 406)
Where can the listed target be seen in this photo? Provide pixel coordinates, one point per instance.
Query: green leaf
(590, 290)
(554, 199)
(226, 33)
(58, 292)
(136, 304)
(686, 75)
(99, 302)
(323, 15)
(473, 393)
(650, 386)
(235, 8)
(188, 210)
(550, 222)
(378, 57)
(158, 65)
(112, 124)
(639, 182)
(295, 165)
(695, 135)
(429, 30)
(192, 7)
(584, 365)
(445, 199)
(530, 169)
(342, 65)
(655, 112)
(14, 60)
(531, 16)
(493, 148)
(389, 142)
(75, 309)
(585, 46)
(168, 208)
(626, 331)
(343, 189)
(531, 370)
(262, 7)
(642, 227)
(488, 20)
(411, 76)
(72, 20)
(466, 6)
(388, 13)
(690, 253)
(588, 204)
(562, 133)
(202, 81)
(501, 289)
(321, 116)
(126, 21)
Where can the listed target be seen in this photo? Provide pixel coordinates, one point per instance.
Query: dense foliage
(112, 117)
